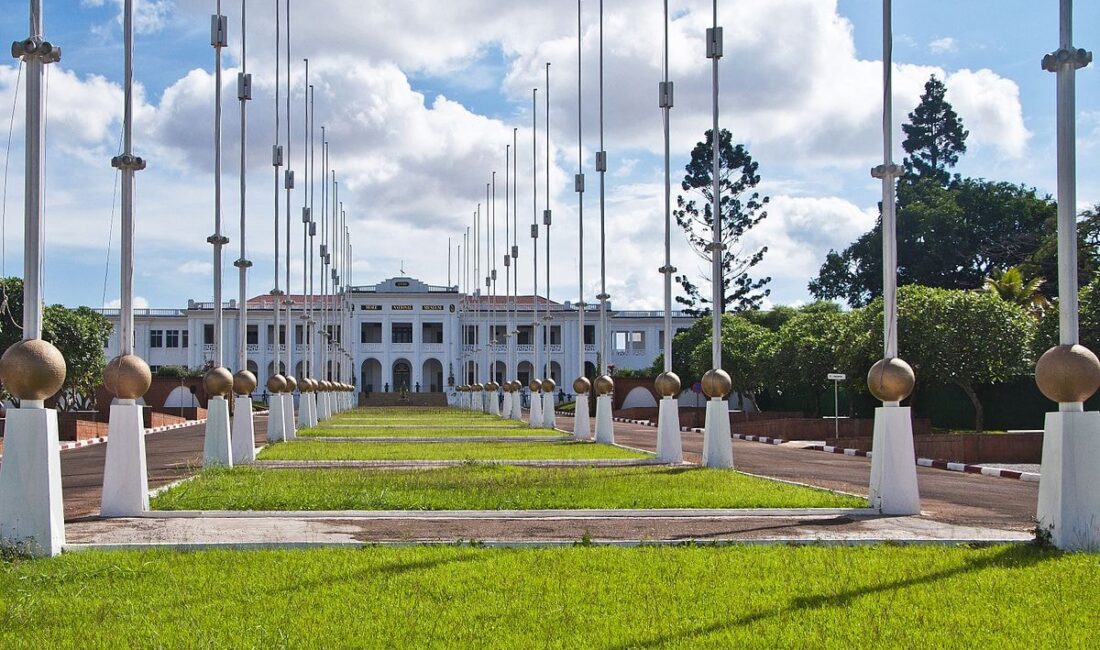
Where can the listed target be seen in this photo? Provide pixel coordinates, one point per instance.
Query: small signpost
(836, 378)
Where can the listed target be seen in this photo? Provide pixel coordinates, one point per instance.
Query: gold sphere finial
(276, 383)
(291, 383)
(32, 369)
(891, 380)
(548, 385)
(127, 376)
(535, 385)
(717, 383)
(605, 385)
(667, 384)
(581, 385)
(244, 382)
(217, 382)
(1068, 373)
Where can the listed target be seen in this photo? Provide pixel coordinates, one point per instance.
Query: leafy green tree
(952, 238)
(1011, 285)
(807, 348)
(1088, 321)
(80, 334)
(934, 135)
(746, 348)
(741, 207)
(11, 311)
(964, 338)
(773, 318)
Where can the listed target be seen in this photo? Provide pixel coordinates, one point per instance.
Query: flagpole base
(125, 473)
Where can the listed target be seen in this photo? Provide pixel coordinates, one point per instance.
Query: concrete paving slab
(328, 529)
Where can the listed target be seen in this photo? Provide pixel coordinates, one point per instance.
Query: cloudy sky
(420, 99)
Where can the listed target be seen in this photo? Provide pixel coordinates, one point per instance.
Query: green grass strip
(463, 597)
(314, 450)
(488, 487)
(423, 432)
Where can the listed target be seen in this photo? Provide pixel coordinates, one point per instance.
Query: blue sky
(421, 100)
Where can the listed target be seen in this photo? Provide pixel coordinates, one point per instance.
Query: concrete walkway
(240, 530)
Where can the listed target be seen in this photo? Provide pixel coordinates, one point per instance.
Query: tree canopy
(934, 135)
(741, 208)
(80, 335)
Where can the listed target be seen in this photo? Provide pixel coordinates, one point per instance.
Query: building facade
(403, 333)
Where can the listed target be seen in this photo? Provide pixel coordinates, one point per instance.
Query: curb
(965, 468)
(77, 444)
(922, 462)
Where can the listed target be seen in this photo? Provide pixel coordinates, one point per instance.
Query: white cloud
(945, 45)
(990, 107)
(139, 303)
(195, 267)
(413, 167)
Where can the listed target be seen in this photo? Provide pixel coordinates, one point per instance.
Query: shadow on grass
(1014, 557)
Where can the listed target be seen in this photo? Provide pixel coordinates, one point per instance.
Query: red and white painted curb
(923, 462)
(965, 468)
(88, 442)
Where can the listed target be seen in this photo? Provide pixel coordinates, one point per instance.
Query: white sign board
(837, 376)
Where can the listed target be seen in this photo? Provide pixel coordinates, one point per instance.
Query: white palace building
(404, 333)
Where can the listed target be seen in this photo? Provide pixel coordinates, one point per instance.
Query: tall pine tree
(741, 208)
(934, 135)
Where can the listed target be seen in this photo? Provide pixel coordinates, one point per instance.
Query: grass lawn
(578, 597)
(315, 450)
(425, 431)
(488, 487)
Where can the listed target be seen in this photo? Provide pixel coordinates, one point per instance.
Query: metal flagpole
(1068, 373)
(276, 382)
(218, 381)
(893, 486)
(548, 383)
(535, 415)
(288, 185)
(517, 387)
(31, 511)
(127, 376)
(581, 385)
(242, 435)
(605, 428)
(669, 446)
(717, 444)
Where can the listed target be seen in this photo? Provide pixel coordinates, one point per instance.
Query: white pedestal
(717, 444)
(549, 421)
(582, 428)
(493, 401)
(288, 416)
(605, 426)
(275, 415)
(312, 402)
(506, 409)
(534, 415)
(517, 406)
(32, 517)
(303, 411)
(244, 431)
(125, 474)
(326, 400)
(216, 449)
(1069, 490)
(670, 448)
(893, 487)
